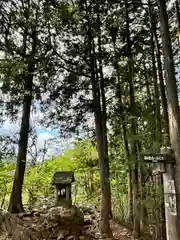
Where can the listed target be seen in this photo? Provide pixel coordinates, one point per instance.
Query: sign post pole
(172, 231)
(164, 162)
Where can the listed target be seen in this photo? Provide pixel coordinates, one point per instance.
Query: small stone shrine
(63, 181)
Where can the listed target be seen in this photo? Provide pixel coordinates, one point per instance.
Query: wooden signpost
(164, 162)
(158, 158)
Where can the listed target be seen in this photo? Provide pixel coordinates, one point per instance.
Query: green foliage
(62, 73)
(82, 159)
(118, 178)
(86, 165)
(6, 178)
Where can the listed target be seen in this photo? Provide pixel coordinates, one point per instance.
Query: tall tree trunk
(143, 210)
(162, 91)
(157, 126)
(147, 85)
(172, 97)
(161, 80)
(104, 179)
(136, 217)
(130, 196)
(15, 204)
(103, 97)
(159, 233)
(156, 98)
(103, 100)
(105, 186)
(4, 197)
(126, 147)
(178, 18)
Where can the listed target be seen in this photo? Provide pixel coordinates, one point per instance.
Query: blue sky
(48, 131)
(44, 134)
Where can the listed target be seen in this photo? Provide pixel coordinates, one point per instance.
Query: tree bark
(104, 179)
(162, 90)
(4, 197)
(147, 87)
(136, 202)
(130, 197)
(143, 210)
(105, 186)
(178, 18)
(158, 138)
(159, 234)
(161, 80)
(103, 98)
(15, 204)
(126, 148)
(156, 98)
(172, 97)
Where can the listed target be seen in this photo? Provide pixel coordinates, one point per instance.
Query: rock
(54, 223)
(87, 219)
(45, 203)
(62, 234)
(77, 214)
(58, 210)
(26, 214)
(73, 214)
(81, 237)
(36, 214)
(71, 238)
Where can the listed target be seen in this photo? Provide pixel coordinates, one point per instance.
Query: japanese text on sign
(153, 158)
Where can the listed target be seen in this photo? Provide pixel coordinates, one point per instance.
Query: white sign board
(172, 197)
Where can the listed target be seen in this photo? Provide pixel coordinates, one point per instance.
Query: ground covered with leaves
(56, 223)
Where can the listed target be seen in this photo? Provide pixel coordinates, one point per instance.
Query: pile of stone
(54, 223)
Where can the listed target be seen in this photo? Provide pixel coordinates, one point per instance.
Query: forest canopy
(104, 75)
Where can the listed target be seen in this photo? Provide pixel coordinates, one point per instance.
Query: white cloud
(9, 128)
(44, 136)
(54, 147)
